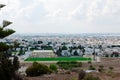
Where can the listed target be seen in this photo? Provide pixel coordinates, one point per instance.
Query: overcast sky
(62, 16)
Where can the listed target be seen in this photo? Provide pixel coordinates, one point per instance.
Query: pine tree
(8, 67)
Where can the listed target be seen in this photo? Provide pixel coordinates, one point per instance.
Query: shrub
(37, 69)
(101, 68)
(106, 55)
(91, 77)
(89, 62)
(91, 67)
(53, 67)
(69, 64)
(79, 64)
(68, 72)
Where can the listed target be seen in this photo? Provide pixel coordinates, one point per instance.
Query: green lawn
(59, 59)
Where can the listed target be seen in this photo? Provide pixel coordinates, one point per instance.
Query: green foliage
(91, 67)
(58, 52)
(40, 42)
(80, 47)
(81, 75)
(31, 49)
(100, 47)
(70, 50)
(5, 32)
(53, 67)
(76, 53)
(83, 50)
(3, 47)
(69, 64)
(89, 62)
(64, 48)
(37, 69)
(106, 55)
(115, 54)
(91, 77)
(16, 44)
(21, 52)
(16, 63)
(47, 47)
(8, 68)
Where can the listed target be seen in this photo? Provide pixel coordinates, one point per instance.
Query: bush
(37, 69)
(91, 67)
(53, 67)
(89, 62)
(91, 77)
(106, 55)
(101, 68)
(79, 64)
(69, 64)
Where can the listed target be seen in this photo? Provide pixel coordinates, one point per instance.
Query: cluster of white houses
(36, 45)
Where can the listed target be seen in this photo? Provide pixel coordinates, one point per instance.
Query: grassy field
(59, 59)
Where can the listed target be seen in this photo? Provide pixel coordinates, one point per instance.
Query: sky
(62, 16)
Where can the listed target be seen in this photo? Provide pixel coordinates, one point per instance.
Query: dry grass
(106, 75)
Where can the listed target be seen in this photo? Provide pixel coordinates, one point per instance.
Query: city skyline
(62, 16)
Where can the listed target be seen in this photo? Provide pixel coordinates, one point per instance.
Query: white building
(43, 53)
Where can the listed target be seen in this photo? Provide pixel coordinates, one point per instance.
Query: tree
(80, 47)
(64, 48)
(70, 49)
(16, 44)
(16, 63)
(47, 47)
(76, 53)
(3, 47)
(7, 67)
(21, 51)
(83, 51)
(4, 32)
(40, 42)
(100, 47)
(58, 52)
